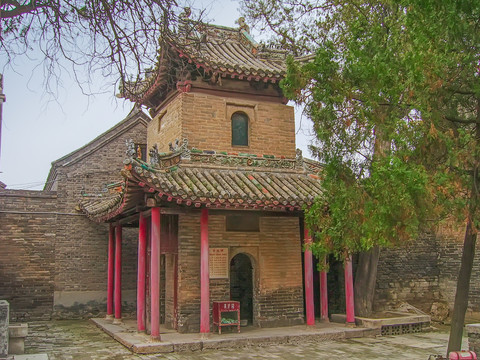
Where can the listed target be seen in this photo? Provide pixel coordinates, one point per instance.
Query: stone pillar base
(16, 341)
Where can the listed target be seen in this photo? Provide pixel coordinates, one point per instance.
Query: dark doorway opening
(241, 285)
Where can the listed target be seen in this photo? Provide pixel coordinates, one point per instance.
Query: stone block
(338, 318)
(16, 342)
(4, 321)
(472, 329)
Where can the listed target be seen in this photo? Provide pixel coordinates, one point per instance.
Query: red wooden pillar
(118, 274)
(110, 270)
(204, 275)
(349, 300)
(155, 274)
(323, 294)
(308, 263)
(142, 253)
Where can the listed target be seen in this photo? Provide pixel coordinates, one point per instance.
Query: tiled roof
(219, 51)
(187, 181)
(232, 51)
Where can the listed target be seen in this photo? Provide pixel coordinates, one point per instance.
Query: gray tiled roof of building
(212, 180)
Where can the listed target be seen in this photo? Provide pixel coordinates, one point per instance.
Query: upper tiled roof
(219, 51)
(231, 51)
(194, 178)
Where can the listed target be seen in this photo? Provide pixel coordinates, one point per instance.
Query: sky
(39, 128)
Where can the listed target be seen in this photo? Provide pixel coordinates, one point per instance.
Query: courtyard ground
(81, 339)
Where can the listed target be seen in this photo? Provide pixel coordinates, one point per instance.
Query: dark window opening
(243, 223)
(239, 129)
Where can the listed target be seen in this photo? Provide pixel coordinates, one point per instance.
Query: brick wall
(275, 252)
(409, 274)
(27, 253)
(450, 245)
(166, 127)
(205, 120)
(81, 245)
(53, 260)
(425, 271)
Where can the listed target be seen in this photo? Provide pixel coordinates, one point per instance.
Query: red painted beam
(204, 275)
(349, 299)
(110, 270)
(323, 295)
(155, 274)
(118, 273)
(142, 253)
(308, 263)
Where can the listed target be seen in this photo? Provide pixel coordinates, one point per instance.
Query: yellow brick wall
(166, 126)
(277, 266)
(205, 120)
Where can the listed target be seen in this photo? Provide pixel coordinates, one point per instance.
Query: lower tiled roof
(240, 188)
(195, 184)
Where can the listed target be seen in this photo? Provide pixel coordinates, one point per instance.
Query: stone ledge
(473, 328)
(16, 338)
(172, 341)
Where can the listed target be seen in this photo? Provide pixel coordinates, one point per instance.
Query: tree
(403, 75)
(92, 38)
(374, 188)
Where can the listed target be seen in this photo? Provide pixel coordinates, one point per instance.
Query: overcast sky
(38, 129)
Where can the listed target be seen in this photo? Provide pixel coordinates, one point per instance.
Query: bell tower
(219, 89)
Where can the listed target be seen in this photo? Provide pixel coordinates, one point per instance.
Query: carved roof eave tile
(140, 91)
(103, 209)
(122, 196)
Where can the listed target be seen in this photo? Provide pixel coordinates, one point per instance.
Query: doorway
(241, 285)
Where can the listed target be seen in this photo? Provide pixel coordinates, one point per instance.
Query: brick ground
(79, 339)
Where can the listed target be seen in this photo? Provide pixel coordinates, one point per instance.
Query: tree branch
(461, 120)
(19, 9)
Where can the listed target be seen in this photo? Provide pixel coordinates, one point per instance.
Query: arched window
(240, 129)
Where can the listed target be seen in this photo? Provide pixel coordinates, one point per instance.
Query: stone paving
(80, 339)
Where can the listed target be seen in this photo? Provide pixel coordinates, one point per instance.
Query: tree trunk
(463, 287)
(365, 281)
(366, 272)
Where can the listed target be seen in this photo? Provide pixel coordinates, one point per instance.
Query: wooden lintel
(151, 202)
(129, 220)
(256, 212)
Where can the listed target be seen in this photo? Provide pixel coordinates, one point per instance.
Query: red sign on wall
(218, 263)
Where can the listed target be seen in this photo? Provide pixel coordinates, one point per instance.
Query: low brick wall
(27, 222)
(473, 331)
(53, 261)
(425, 271)
(409, 273)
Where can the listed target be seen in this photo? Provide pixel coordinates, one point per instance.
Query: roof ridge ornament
(131, 151)
(153, 153)
(299, 158)
(185, 154)
(242, 25)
